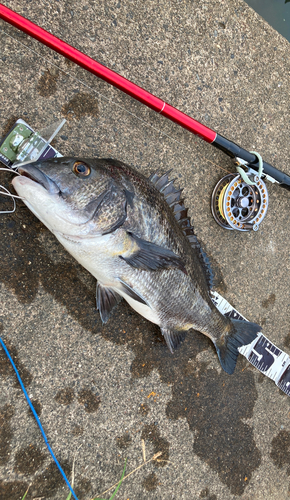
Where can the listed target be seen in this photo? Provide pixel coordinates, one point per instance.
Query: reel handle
(234, 151)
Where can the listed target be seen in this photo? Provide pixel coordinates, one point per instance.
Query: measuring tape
(261, 353)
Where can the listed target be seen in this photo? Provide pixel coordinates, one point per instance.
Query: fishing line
(37, 418)
(10, 194)
(7, 193)
(113, 102)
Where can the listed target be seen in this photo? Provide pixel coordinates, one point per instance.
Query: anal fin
(106, 299)
(173, 338)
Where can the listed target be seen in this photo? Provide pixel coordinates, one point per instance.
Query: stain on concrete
(6, 413)
(216, 410)
(206, 494)
(29, 460)
(151, 433)
(83, 487)
(37, 406)
(280, 452)
(123, 441)
(80, 105)
(150, 482)
(144, 409)
(49, 481)
(90, 400)
(65, 396)
(78, 430)
(47, 84)
(287, 341)
(13, 490)
(270, 301)
(214, 404)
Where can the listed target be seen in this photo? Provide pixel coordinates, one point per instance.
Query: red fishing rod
(138, 93)
(247, 201)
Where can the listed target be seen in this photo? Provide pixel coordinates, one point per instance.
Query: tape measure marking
(261, 353)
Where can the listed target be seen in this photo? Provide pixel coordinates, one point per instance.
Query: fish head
(72, 196)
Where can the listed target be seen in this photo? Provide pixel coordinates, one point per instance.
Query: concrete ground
(108, 393)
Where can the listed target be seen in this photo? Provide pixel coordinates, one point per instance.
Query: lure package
(23, 145)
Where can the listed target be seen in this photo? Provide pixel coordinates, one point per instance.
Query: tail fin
(243, 333)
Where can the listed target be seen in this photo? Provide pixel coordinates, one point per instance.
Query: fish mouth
(36, 175)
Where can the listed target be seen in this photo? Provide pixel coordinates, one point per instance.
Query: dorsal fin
(173, 197)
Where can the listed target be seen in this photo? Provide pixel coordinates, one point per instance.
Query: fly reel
(238, 205)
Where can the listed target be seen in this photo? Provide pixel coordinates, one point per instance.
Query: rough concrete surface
(101, 391)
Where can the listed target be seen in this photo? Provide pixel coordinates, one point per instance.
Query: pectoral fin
(173, 338)
(107, 299)
(150, 257)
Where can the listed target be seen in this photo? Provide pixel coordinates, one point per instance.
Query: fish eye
(81, 169)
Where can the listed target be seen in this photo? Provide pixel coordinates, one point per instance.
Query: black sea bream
(134, 236)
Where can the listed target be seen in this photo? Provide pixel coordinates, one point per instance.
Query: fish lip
(36, 175)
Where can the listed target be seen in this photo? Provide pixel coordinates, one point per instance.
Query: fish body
(134, 236)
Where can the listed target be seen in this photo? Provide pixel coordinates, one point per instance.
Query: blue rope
(37, 419)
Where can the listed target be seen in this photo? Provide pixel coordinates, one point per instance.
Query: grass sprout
(72, 479)
(25, 493)
(118, 485)
(155, 457)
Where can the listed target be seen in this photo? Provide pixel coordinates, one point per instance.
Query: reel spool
(238, 205)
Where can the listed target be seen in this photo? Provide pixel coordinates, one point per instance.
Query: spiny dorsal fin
(173, 197)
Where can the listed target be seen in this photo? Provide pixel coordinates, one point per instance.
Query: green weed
(96, 498)
(25, 493)
(155, 457)
(118, 486)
